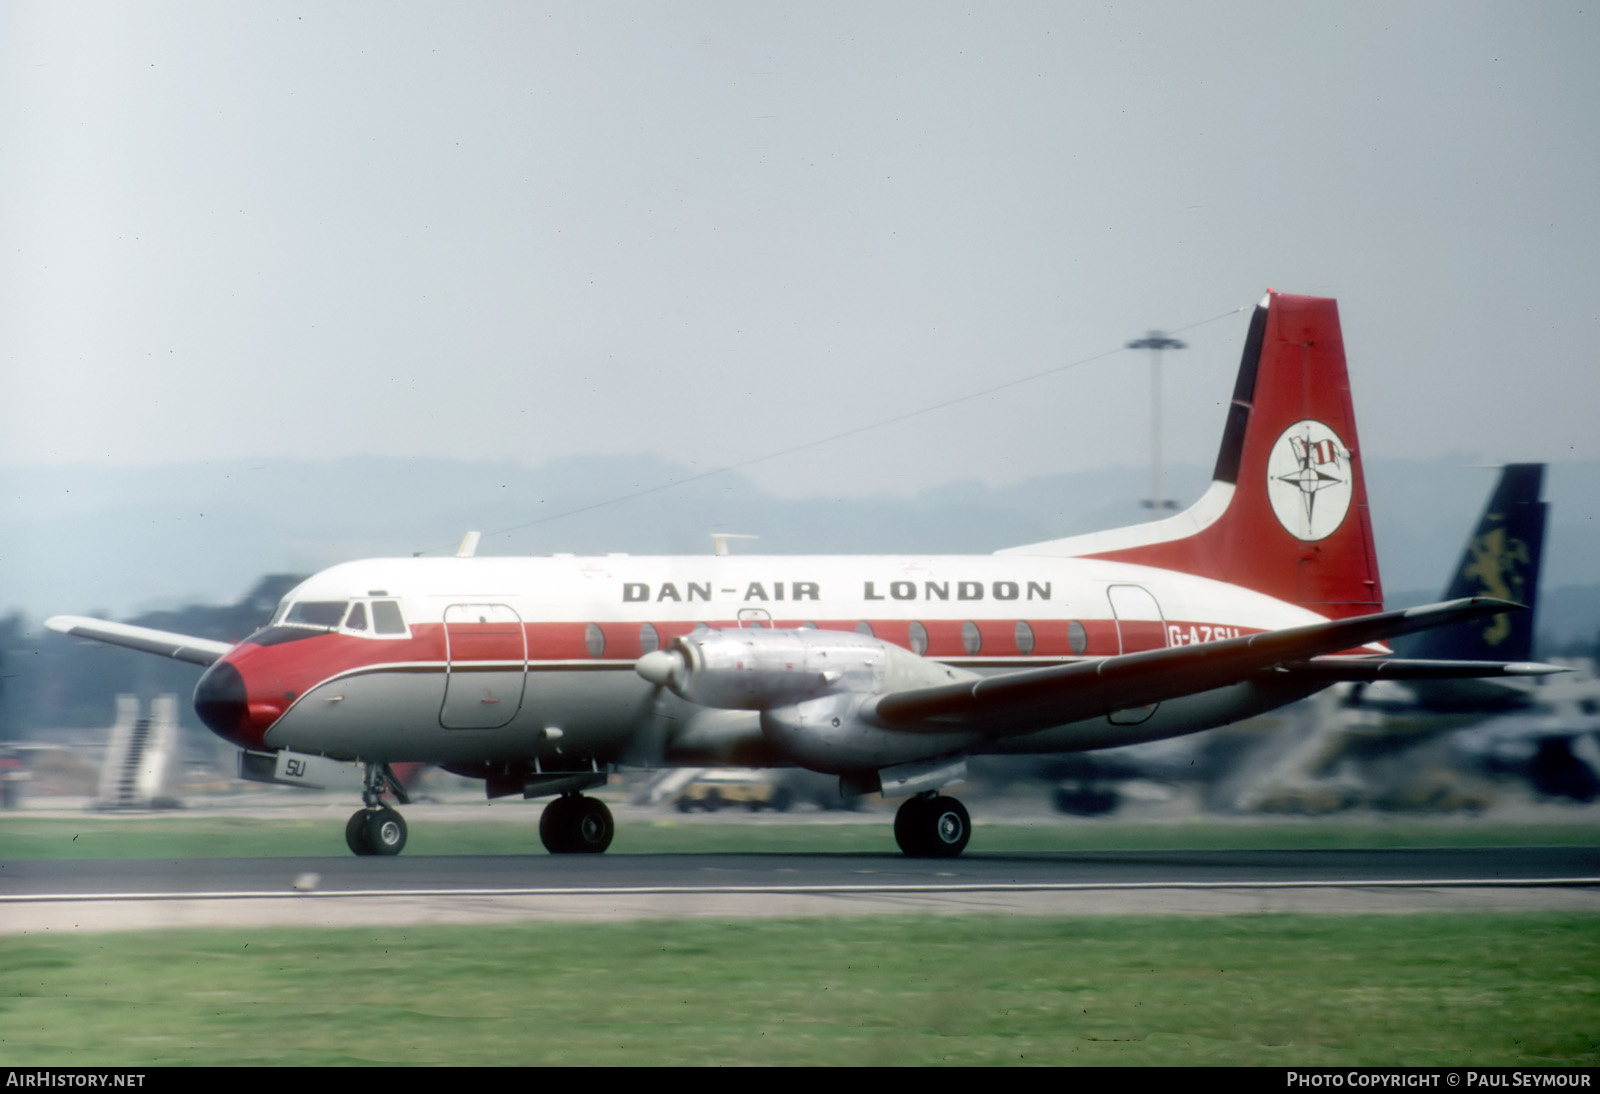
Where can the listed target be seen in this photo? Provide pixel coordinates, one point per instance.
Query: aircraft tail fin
(1286, 513)
(1501, 560)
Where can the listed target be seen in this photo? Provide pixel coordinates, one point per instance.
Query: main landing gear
(377, 829)
(931, 825)
(575, 824)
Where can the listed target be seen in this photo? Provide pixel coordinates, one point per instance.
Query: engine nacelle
(836, 734)
(812, 687)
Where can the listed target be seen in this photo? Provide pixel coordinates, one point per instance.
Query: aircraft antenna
(721, 540)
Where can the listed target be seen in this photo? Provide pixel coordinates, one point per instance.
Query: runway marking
(780, 890)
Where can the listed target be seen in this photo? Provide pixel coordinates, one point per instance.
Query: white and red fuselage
(508, 659)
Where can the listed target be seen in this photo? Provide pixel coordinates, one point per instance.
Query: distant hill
(124, 540)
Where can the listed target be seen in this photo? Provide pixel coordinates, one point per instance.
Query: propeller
(664, 670)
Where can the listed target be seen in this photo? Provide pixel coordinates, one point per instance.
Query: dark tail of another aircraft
(1501, 560)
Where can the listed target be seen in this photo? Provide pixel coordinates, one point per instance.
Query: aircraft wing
(1024, 702)
(181, 647)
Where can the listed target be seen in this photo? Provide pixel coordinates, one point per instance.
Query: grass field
(181, 836)
(1304, 990)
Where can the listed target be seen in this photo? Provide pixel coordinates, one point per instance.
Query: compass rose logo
(1309, 480)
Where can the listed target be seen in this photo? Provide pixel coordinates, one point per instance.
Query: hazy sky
(713, 230)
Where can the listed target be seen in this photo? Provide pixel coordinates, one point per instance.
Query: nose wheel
(377, 829)
(380, 831)
(932, 826)
(574, 824)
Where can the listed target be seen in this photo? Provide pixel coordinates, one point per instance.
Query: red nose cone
(222, 703)
(219, 700)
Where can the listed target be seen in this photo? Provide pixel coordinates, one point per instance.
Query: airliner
(1501, 559)
(544, 676)
(1539, 728)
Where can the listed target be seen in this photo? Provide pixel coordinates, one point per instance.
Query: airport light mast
(1155, 341)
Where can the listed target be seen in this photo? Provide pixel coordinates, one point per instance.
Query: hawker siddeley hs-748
(541, 676)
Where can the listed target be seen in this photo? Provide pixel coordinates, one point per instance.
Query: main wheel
(592, 826)
(952, 828)
(555, 829)
(355, 833)
(385, 831)
(933, 827)
(910, 827)
(576, 825)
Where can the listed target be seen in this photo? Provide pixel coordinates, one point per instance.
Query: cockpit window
(316, 613)
(386, 618)
(310, 618)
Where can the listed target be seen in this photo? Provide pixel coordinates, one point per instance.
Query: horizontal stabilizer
(180, 647)
(1024, 702)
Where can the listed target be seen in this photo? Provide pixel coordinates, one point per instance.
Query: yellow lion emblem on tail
(1496, 563)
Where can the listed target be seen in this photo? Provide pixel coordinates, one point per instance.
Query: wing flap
(1366, 669)
(1023, 702)
(180, 647)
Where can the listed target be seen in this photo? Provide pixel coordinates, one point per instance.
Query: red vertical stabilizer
(1287, 512)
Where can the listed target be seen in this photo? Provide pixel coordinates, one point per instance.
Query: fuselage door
(486, 662)
(1140, 626)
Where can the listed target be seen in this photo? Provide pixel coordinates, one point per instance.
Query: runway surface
(541, 872)
(41, 897)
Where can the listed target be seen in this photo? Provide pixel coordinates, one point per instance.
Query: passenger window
(865, 628)
(357, 619)
(386, 617)
(649, 638)
(594, 640)
(919, 639)
(971, 638)
(1024, 637)
(1077, 636)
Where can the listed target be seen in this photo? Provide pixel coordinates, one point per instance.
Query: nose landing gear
(380, 831)
(377, 829)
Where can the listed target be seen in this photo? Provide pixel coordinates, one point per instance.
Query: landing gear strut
(575, 824)
(377, 829)
(932, 826)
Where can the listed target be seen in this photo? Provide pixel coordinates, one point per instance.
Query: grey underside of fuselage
(559, 716)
